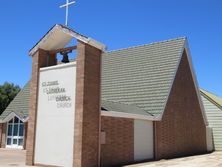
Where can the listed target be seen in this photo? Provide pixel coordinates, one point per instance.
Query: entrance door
(15, 134)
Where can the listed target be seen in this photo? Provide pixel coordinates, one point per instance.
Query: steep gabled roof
(19, 105)
(142, 75)
(134, 80)
(212, 97)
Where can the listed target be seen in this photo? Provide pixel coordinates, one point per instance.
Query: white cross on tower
(67, 9)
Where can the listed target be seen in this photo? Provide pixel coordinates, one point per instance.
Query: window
(15, 133)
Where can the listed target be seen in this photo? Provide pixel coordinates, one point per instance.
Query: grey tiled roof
(143, 75)
(136, 79)
(120, 107)
(20, 104)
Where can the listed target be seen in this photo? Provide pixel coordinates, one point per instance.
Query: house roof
(212, 97)
(135, 80)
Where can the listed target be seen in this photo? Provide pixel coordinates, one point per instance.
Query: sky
(118, 24)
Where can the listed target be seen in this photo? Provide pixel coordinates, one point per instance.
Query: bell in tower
(65, 58)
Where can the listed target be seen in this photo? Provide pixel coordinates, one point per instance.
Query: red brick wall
(182, 130)
(119, 146)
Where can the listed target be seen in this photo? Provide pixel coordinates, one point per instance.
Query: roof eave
(128, 115)
(12, 115)
(59, 36)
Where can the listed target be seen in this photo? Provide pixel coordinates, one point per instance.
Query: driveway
(9, 158)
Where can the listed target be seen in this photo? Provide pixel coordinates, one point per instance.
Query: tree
(8, 91)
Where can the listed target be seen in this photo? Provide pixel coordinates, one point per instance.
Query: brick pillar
(40, 59)
(87, 112)
(25, 135)
(1, 127)
(3, 135)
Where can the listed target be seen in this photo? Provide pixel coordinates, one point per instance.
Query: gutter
(128, 115)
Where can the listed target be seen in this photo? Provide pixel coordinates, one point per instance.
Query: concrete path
(208, 160)
(10, 158)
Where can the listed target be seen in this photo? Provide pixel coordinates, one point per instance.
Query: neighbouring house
(150, 105)
(213, 108)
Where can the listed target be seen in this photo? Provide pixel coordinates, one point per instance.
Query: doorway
(15, 134)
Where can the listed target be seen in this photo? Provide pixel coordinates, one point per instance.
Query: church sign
(56, 113)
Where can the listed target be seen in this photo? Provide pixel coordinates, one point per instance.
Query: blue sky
(118, 24)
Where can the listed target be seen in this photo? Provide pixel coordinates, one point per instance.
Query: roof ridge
(152, 43)
(203, 92)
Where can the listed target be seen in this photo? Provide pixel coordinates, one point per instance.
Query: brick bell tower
(86, 148)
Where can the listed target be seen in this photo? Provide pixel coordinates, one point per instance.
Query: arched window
(15, 133)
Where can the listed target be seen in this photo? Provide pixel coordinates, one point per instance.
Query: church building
(106, 108)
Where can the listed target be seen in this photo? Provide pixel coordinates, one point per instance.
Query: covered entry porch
(13, 132)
